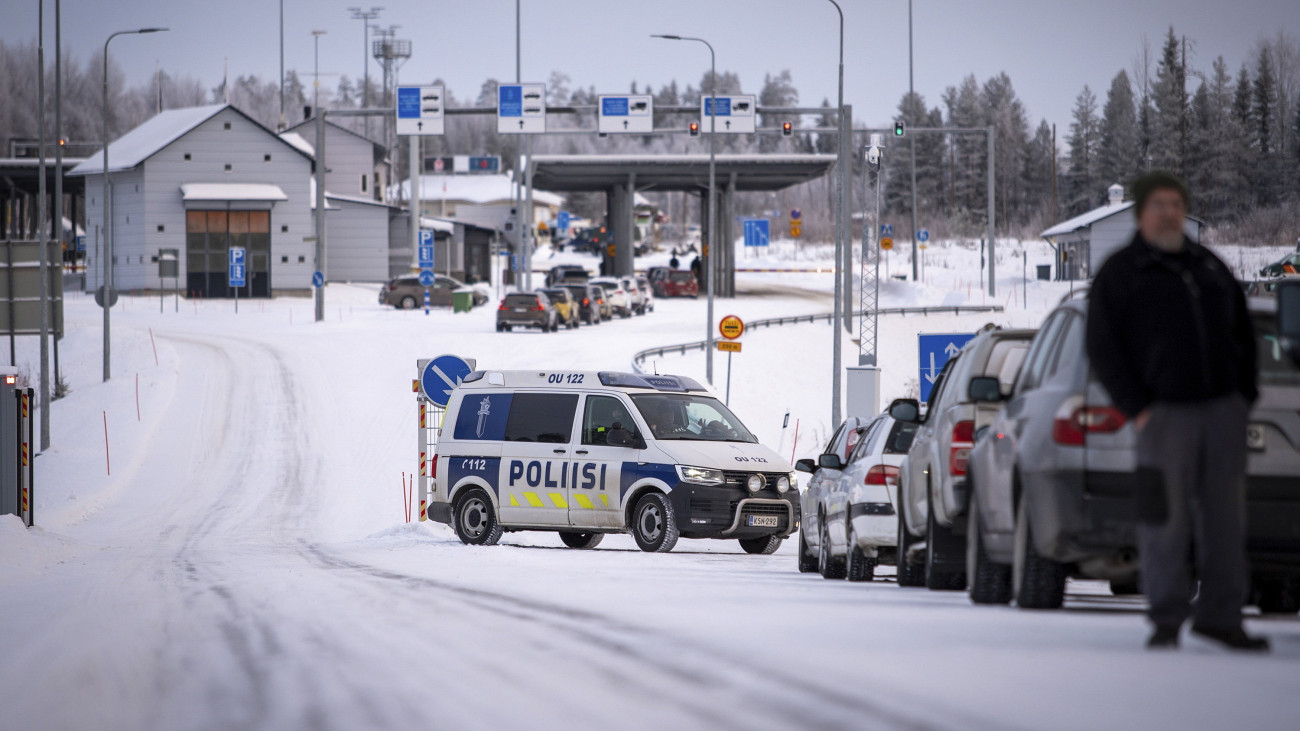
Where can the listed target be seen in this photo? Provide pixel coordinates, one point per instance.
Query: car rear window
(681, 276)
(900, 437)
(521, 300)
(1275, 366)
(607, 285)
(577, 292)
(558, 294)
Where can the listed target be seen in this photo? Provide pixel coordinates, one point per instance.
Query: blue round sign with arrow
(440, 376)
(426, 278)
(923, 235)
(318, 279)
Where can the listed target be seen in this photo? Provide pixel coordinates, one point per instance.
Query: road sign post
(935, 350)
(735, 114)
(420, 110)
(731, 327)
(238, 271)
(521, 109)
(632, 114)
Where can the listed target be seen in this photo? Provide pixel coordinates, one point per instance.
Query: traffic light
(695, 129)
(787, 129)
(899, 129)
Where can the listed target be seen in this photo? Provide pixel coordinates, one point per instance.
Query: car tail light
(586, 302)
(433, 466)
(963, 438)
(392, 286)
(882, 474)
(539, 308)
(1074, 421)
(502, 307)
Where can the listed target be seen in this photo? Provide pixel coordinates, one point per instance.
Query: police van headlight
(783, 484)
(699, 475)
(755, 483)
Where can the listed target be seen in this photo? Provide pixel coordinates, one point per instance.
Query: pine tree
(968, 153)
(1119, 157)
(1083, 189)
(778, 91)
(1169, 94)
(1037, 176)
(1011, 136)
(1264, 113)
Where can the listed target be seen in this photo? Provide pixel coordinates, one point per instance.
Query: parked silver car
(932, 480)
(860, 519)
(825, 471)
(1052, 478)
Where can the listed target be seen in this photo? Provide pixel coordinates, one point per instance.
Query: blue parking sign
(238, 271)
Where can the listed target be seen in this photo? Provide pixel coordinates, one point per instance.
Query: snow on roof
(141, 143)
(478, 189)
(297, 141)
(230, 191)
(1085, 220)
(356, 199)
(437, 224)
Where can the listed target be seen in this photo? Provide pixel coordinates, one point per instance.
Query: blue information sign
(318, 279)
(757, 231)
(81, 244)
(408, 102)
(614, 106)
(886, 229)
(426, 278)
(923, 235)
(426, 250)
(510, 100)
(724, 106)
(440, 376)
(238, 271)
(562, 220)
(935, 350)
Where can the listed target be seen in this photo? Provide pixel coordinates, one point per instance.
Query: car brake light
(882, 474)
(502, 306)
(1075, 421)
(963, 438)
(586, 302)
(539, 308)
(433, 466)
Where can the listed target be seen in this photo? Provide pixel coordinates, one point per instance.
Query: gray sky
(1049, 48)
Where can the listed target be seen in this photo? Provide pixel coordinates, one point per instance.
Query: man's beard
(1169, 242)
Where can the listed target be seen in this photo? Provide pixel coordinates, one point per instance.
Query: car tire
(807, 561)
(860, 566)
(987, 582)
(909, 573)
(573, 539)
(474, 519)
(407, 303)
(764, 546)
(1277, 595)
(1039, 583)
(829, 566)
(654, 524)
(939, 576)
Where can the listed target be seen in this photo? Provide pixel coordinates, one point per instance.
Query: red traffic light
(787, 129)
(695, 129)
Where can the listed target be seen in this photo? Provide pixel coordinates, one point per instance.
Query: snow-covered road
(247, 565)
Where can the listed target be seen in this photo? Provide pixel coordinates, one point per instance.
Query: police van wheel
(475, 521)
(581, 540)
(764, 546)
(654, 526)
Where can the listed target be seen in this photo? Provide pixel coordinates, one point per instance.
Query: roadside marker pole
(423, 440)
(155, 346)
(108, 465)
(137, 396)
(795, 448)
(727, 400)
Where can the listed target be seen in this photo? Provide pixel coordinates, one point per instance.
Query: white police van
(586, 454)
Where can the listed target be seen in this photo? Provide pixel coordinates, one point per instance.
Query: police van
(586, 454)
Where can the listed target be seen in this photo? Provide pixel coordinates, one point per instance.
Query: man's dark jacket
(1169, 327)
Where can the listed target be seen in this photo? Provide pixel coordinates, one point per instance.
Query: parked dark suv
(588, 298)
(527, 310)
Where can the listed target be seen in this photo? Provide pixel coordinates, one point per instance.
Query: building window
(227, 126)
(161, 228)
(363, 183)
(188, 157)
(302, 260)
(266, 157)
(284, 260)
(228, 167)
(284, 229)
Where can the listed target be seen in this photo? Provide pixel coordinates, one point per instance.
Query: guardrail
(681, 349)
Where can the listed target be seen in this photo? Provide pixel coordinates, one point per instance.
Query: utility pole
(911, 105)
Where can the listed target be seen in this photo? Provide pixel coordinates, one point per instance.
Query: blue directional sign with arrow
(757, 231)
(440, 376)
(935, 351)
(923, 235)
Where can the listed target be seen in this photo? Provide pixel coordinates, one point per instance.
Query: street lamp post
(365, 16)
(842, 240)
(713, 216)
(107, 195)
(315, 98)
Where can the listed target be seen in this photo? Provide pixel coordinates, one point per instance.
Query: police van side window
(541, 417)
(606, 422)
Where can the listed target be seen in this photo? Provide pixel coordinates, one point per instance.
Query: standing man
(1171, 340)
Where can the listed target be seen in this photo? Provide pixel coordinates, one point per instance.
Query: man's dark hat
(1148, 183)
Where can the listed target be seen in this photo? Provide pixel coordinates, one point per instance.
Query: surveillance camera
(873, 155)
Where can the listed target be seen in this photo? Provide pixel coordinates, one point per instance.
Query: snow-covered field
(247, 563)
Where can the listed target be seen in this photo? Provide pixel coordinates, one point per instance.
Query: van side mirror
(905, 410)
(806, 465)
(985, 389)
(830, 461)
(1288, 318)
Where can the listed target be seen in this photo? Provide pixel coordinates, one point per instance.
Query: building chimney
(1115, 194)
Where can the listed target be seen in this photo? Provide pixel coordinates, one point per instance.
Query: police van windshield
(690, 417)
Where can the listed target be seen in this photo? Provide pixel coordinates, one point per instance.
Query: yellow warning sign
(728, 346)
(731, 327)
(886, 244)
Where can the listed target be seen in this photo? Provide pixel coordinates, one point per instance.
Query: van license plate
(762, 521)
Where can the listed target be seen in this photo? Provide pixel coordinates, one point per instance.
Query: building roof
(230, 191)
(309, 125)
(1085, 220)
(475, 188)
(297, 141)
(148, 139)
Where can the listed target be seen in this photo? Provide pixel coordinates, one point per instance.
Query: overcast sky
(1050, 48)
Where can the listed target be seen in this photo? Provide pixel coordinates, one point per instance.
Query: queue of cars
(572, 297)
(1021, 474)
